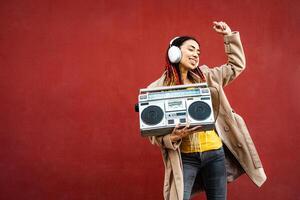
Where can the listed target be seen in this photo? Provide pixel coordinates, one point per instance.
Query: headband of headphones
(173, 40)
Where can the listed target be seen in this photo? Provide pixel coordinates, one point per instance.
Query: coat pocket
(244, 130)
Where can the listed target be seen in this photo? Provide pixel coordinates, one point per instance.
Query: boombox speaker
(161, 108)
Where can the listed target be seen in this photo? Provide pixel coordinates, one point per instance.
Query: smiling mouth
(193, 61)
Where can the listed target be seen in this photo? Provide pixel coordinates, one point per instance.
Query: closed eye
(192, 48)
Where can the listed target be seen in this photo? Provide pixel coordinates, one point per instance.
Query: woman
(197, 160)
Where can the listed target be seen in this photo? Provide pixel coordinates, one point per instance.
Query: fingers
(195, 128)
(180, 132)
(176, 127)
(217, 24)
(188, 131)
(220, 26)
(186, 126)
(183, 132)
(224, 25)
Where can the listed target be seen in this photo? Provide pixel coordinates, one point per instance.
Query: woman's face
(190, 54)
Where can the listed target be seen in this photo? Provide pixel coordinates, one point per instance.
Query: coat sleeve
(164, 142)
(236, 61)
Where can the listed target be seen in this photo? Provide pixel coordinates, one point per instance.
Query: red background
(70, 74)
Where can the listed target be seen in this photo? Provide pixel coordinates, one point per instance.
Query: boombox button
(182, 120)
(204, 90)
(171, 121)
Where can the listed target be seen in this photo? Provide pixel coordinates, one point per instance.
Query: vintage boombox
(161, 108)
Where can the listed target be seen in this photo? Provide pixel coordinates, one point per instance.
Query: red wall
(69, 77)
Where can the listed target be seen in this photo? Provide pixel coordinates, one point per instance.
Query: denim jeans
(210, 165)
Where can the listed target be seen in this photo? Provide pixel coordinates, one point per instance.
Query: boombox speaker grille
(152, 115)
(199, 110)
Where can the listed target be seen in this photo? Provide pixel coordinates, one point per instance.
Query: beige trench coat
(241, 155)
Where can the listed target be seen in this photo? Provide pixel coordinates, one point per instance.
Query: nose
(195, 55)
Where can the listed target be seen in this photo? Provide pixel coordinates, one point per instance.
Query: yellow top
(200, 142)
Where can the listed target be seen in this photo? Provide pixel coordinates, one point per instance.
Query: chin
(193, 67)
(190, 66)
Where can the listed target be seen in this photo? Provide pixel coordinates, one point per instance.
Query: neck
(183, 75)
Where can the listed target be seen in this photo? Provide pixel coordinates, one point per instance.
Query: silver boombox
(161, 108)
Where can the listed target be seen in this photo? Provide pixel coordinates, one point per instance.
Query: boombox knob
(136, 107)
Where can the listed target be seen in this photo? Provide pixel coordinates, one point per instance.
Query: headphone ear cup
(174, 54)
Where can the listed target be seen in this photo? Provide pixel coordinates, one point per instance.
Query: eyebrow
(194, 47)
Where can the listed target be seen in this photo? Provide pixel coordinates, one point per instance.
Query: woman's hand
(179, 133)
(222, 28)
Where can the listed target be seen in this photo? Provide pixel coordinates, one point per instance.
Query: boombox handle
(176, 87)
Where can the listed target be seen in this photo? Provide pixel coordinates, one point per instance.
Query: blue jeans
(210, 165)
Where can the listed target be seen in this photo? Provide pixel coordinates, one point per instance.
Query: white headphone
(174, 53)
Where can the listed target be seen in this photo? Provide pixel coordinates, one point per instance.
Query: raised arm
(236, 62)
